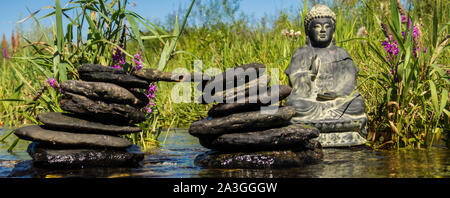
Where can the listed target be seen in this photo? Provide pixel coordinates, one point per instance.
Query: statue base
(341, 139)
(345, 132)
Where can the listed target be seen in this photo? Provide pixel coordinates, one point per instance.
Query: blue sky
(14, 10)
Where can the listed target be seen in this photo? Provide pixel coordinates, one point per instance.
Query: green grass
(421, 94)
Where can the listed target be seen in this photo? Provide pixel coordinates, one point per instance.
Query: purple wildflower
(149, 110)
(150, 93)
(404, 19)
(118, 58)
(5, 53)
(138, 61)
(117, 66)
(391, 47)
(415, 32)
(52, 82)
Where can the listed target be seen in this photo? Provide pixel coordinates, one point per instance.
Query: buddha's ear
(307, 41)
(334, 40)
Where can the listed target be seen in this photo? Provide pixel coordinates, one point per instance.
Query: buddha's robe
(335, 72)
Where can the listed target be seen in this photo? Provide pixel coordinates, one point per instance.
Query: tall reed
(28, 78)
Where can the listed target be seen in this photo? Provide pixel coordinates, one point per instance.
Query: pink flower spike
(5, 53)
(117, 66)
(404, 19)
(51, 82)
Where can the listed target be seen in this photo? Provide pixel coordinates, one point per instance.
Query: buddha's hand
(327, 96)
(314, 68)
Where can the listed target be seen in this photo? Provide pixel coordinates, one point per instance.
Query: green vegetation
(406, 95)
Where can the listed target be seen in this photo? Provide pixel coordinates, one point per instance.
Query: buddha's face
(321, 31)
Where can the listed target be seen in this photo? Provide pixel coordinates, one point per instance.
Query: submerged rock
(66, 139)
(99, 73)
(289, 137)
(241, 122)
(68, 122)
(106, 92)
(78, 104)
(258, 160)
(251, 103)
(44, 156)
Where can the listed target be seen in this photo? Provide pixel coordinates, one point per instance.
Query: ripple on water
(175, 159)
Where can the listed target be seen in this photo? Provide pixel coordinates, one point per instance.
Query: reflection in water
(176, 160)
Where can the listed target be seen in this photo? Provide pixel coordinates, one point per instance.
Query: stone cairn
(101, 107)
(241, 135)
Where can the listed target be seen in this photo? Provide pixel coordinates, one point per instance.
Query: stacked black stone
(241, 134)
(100, 108)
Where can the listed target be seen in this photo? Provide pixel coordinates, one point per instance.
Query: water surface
(175, 160)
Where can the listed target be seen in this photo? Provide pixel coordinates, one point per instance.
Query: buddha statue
(323, 78)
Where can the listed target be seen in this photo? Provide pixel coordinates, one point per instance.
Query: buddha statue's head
(320, 24)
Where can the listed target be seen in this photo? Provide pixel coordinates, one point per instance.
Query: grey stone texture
(82, 105)
(241, 122)
(295, 137)
(66, 139)
(99, 73)
(107, 92)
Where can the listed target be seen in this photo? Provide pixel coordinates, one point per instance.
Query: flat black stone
(99, 73)
(44, 156)
(258, 160)
(236, 94)
(193, 77)
(241, 122)
(106, 92)
(154, 75)
(238, 74)
(66, 139)
(251, 103)
(284, 138)
(68, 122)
(116, 113)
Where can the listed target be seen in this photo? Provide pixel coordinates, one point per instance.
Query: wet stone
(241, 122)
(105, 91)
(44, 156)
(69, 122)
(66, 139)
(295, 137)
(251, 103)
(99, 73)
(117, 113)
(154, 75)
(236, 94)
(258, 160)
(233, 76)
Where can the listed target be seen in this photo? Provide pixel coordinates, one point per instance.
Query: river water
(175, 160)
